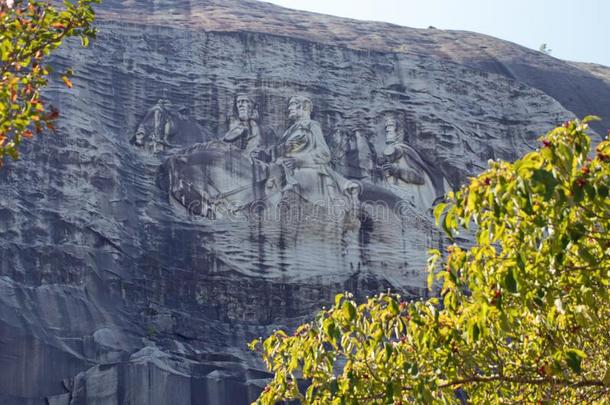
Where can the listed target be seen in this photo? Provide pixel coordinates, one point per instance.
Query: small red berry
(546, 143)
(496, 297)
(542, 370)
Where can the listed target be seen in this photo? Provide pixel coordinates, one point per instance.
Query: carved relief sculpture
(156, 137)
(210, 175)
(246, 166)
(244, 130)
(365, 154)
(404, 171)
(166, 126)
(301, 160)
(353, 153)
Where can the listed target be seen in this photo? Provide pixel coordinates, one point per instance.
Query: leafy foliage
(522, 314)
(29, 32)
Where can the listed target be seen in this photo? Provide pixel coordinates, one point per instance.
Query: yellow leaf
(67, 81)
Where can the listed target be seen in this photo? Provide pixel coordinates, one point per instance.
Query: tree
(29, 32)
(545, 49)
(522, 315)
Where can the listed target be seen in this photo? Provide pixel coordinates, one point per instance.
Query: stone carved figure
(244, 129)
(209, 181)
(301, 160)
(366, 156)
(353, 153)
(215, 178)
(215, 175)
(340, 145)
(242, 168)
(165, 127)
(405, 173)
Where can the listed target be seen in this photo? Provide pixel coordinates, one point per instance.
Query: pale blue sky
(577, 30)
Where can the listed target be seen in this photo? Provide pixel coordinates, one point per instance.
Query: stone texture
(111, 292)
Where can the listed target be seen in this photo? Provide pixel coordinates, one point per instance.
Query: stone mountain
(223, 168)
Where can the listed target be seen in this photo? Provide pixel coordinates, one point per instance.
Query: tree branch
(526, 381)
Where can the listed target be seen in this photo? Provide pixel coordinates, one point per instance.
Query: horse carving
(228, 175)
(166, 127)
(211, 180)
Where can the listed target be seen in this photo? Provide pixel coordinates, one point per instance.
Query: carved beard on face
(390, 135)
(244, 111)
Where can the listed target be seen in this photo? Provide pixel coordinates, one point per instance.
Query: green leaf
(334, 386)
(471, 202)
(393, 306)
(349, 311)
(329, 329)
(606, 379)
(253, 344)
(449, 221)
(590, 191)
(414, 369)
(430, 280)
(590, 118)
(389, 391)
(547, 180)
(520, 262)
(12, 152)
(510, 282)
(578, 192)
(474, 331)
(586, 255)
(438, 211)
(576, 232)
(574, 359)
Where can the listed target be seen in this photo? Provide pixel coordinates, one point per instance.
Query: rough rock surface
(112, 292)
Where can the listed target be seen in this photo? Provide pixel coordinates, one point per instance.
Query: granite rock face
(124, 277)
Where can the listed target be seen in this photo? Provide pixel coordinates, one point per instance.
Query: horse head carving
(165, 127)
